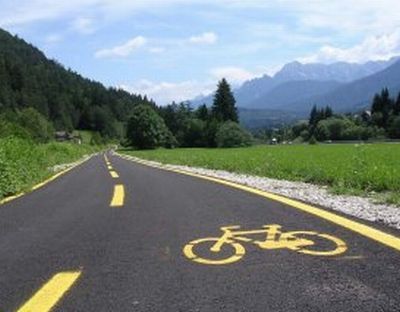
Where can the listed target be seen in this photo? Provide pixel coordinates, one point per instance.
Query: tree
(396, 106)
(394, 128)
(328, 113)
(195, 134)
(333, 128)
(316, 115)
(313, 120)
(230, 134)
(38, 127)
(223, 108)
(146, 129)
(177, 117)
(202, 112)
(382, 106)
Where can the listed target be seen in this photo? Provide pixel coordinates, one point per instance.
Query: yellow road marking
(365, 230)
(114, 174)
(50, 293)
(109, 167)
(118, 197)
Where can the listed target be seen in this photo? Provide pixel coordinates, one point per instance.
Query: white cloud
(83, 25)
(204, 38)
(371, 48)
(166, 92)
(122, 50)
(235, 75)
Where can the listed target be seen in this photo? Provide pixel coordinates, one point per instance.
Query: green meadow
(361, 169)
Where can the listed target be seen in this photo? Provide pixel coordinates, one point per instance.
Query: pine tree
(396, 106)
(313, 117)
(202, 112)
(376, 104)
(224, 108)
(328, 112)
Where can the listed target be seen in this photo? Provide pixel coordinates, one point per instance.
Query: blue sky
(177, 49)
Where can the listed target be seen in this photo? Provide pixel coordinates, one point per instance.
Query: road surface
(113, 235)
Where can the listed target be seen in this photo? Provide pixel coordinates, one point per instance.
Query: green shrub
(24, 163)
(230, 134)
(147, 130)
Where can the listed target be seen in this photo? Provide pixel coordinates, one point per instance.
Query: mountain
(69, 101)
(339, 71)
(297, 81)
(358, 94)
(291, 92)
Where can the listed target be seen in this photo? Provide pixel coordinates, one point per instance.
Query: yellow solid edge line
(365, 230)
(118, 197)
(50, 293)
(114, 174)
(41, 184)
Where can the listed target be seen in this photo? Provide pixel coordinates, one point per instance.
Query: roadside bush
(40, 130)
(230, 134)
(23, 163)
(312, 140)
(12, 129)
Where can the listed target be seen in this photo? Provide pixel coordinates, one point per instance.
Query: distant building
(273, 141)
(63, 136)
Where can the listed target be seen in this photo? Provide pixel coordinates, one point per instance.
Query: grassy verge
(346, 168)
(23, 163)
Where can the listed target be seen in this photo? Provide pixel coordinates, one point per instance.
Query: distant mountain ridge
(296, 84)
(358, 94)
(339, 71)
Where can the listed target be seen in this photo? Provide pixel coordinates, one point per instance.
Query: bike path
(131, 257)
(167, 210)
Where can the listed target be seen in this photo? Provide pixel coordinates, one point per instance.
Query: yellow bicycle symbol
(299, 241)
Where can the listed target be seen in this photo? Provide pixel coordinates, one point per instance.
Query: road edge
(360, 228)
(45, 182)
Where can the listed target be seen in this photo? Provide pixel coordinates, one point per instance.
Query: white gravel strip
(62, 167)
(361, 207)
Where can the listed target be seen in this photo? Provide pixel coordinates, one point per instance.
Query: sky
(175, 50)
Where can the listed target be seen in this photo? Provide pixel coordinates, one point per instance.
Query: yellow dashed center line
(114, 174)
(119, 190)
(118, 197)
(50, 293)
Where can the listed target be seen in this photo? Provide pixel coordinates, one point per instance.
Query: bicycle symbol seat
(298, 241)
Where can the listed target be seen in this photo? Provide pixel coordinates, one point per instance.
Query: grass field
(347, 168)
(23, 163)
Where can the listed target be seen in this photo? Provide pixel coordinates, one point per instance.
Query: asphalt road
(82, 244)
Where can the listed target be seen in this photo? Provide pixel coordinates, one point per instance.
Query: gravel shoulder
(361, 207)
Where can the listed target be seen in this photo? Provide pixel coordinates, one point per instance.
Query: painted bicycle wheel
(229, 253)
(336, 245)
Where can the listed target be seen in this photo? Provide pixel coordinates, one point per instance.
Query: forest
(39, 96)
(62, 97)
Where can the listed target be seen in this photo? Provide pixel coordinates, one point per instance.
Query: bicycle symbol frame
(275, 239)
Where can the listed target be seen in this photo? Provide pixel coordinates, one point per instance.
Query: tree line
(39, 96)
(179, 125)
(381, 121)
